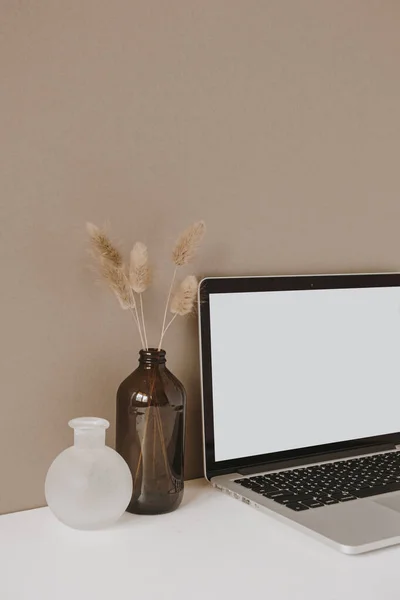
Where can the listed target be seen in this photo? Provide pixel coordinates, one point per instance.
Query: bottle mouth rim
(87, 423)
(152, 356)
(152, 352)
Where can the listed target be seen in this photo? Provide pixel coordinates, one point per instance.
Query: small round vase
(89, 485)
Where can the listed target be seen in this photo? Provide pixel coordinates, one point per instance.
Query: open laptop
(301, 401)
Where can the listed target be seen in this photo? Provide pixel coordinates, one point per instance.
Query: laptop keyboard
(329, 483)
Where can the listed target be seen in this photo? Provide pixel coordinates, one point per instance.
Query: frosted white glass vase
(89, 485)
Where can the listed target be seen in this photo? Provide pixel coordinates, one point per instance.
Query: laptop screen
(293, 369)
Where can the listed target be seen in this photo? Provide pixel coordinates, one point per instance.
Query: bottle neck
(89, 438)
(89, 432)
(152, 358)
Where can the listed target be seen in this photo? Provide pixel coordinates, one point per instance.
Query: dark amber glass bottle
(150, 432)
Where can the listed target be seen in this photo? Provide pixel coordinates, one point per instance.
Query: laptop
(301, 401)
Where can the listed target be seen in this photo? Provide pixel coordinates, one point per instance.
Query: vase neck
(89, 432)
(152, 357)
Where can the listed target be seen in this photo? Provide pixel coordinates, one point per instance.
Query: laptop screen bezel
(217, 285)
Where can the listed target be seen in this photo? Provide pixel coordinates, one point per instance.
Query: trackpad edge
(391, 501)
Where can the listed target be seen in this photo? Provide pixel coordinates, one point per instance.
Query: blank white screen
(303, 368)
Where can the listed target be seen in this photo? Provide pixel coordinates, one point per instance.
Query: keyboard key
(265, 489)
(244, 482)
(347, 498)
(273, 495)
(307, 495)
(297, 506)
(327, 500)
(312, 503)
(290, 489)
(286, 499)
(343, 496)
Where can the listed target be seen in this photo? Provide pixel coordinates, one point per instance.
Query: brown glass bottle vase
(150, 432)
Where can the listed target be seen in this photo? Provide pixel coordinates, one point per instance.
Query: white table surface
(212, 547)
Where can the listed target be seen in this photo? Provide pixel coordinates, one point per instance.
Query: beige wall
(275, 121)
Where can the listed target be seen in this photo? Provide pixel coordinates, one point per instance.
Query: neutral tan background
(278, 122)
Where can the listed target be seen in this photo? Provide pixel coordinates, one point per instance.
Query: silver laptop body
(301, 394)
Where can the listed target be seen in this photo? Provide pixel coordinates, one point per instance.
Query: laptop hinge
(315, 458)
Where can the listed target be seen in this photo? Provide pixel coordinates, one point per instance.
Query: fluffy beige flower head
(183, 300)
(139, 270)
(188, 243)
(102, 246)
(117, 281)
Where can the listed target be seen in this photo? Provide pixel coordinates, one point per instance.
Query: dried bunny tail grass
(183, 252)
(118, 282)
(187, 244)
(139, 270)
(183, 300)
(102, 245)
